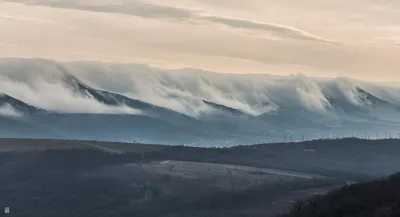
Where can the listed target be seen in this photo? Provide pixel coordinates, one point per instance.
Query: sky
(358, 39)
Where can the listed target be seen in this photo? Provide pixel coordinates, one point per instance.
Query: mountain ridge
(208, 108)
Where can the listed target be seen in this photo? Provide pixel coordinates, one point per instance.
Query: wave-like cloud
(179, 90)
(40, 83)
(8, 111)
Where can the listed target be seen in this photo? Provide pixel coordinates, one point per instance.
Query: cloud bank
(39, 82)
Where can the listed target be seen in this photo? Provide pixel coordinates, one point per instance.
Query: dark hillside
(96, 179)
(380, 198)
(90, 183)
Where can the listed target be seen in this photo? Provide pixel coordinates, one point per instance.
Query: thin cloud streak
(134, 7)
(275, 29)
(23, 18)
(154, 11)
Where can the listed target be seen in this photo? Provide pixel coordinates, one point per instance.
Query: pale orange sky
(358, 38)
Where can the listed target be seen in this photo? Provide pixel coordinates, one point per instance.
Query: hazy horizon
(358, 39)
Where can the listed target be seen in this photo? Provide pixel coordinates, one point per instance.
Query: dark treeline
(379, 198)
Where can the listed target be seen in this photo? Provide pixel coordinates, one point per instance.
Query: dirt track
(7, 145)
(221, 175)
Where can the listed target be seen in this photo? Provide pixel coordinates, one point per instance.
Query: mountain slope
(225, 110)
(288, 119)
(18, 105)
(115, 99)
(378, 198)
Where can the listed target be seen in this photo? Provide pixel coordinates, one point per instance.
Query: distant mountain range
(125, 102)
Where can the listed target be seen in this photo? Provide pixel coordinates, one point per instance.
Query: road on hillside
(108, 150)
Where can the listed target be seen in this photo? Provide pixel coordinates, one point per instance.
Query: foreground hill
(95, 183)
(96, 179)
(379, 198)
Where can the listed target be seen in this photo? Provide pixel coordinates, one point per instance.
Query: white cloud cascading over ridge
(8, 111)
(39, 83)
